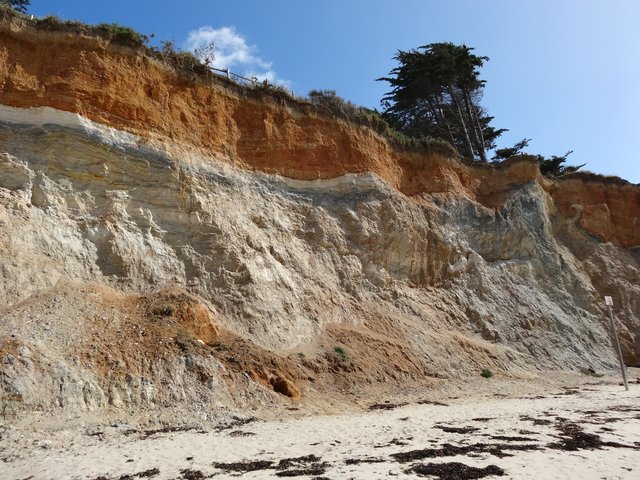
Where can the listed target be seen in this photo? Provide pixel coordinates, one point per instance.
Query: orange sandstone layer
(129, 91)
(611, 212)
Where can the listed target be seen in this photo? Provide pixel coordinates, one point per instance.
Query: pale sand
(334, 439)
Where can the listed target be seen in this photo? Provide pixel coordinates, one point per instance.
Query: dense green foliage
(552, 166)
(18, 5)
(506, 153)
(436, 92)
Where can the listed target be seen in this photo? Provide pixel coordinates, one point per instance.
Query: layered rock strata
(170, 245)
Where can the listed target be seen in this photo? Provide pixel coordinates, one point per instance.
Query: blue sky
(563, 72)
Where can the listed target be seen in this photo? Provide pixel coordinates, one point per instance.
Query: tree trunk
(476, 124)
(441, 120)
(477, 119)
(467, 139)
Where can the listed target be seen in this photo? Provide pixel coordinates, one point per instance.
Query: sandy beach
(591, 431)
(215, 265)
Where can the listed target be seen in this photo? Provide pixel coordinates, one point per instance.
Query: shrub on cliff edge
(337, 106)
(191, 68)
(124, 35)
(184, 62)
(553, 166)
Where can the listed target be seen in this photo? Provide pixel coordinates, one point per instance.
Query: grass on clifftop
(191, 68)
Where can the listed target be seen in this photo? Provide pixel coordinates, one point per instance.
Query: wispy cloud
(232, 51)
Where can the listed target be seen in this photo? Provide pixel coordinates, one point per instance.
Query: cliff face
(168, 245)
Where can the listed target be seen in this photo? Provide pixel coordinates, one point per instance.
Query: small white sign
(608, 301)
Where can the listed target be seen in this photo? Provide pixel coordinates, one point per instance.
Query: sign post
(609, 303)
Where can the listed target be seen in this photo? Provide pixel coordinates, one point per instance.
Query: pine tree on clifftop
(436, 92)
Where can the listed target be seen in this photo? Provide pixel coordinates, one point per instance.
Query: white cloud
(232, 51)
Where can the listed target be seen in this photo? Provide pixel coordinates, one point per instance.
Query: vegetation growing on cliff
(436, 92)
(434, 104)
(553, 165)
(124, 35)
(193, 66)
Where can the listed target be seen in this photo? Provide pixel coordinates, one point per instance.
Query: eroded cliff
(172, 246)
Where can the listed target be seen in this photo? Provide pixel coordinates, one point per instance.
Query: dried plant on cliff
(184, 62)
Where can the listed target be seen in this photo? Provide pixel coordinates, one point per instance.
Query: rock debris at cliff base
(170, 249)
(136, 282)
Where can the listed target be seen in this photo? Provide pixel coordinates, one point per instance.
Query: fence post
(228, 73)
(609, 303)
